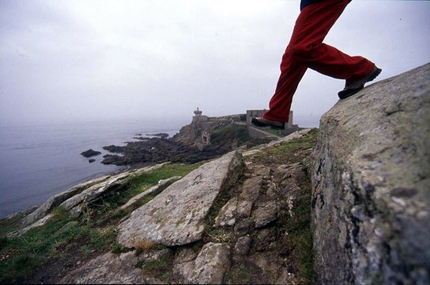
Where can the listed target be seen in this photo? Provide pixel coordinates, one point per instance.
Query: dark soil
(54, 270)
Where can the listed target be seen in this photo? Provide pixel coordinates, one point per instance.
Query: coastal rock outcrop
(209, 226)
(371, 185)
(221, 135)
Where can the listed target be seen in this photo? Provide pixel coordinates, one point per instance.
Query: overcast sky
(83, 60)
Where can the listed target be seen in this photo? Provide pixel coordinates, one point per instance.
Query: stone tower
(198, 117)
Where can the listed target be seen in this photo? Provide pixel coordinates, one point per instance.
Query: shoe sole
(349, 92)
(257, 123)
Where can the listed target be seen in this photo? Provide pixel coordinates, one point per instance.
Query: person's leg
(307, 50)
(280, 103)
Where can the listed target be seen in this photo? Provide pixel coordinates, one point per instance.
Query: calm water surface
(37, 162)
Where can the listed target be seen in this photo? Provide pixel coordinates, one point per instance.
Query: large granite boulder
(371, 185)
(176, 216)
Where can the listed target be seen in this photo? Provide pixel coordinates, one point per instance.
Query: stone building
(201, 122)
(198, 117)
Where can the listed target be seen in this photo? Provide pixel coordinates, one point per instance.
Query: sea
(38, 161)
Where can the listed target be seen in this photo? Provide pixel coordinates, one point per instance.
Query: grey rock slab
(75, 203)
(243, 245)
(58, 199)
(176, 216)
(251, 188)
(36, 224)
(371, 185)
(209, 267)
(227, 214)
(244, 209)
(153, 190)
(92, 193)
(265, 213)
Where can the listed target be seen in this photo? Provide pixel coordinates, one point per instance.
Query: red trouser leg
(307, 50)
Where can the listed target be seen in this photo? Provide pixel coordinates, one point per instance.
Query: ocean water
(39, 161)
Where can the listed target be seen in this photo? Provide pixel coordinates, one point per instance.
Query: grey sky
(95, 60)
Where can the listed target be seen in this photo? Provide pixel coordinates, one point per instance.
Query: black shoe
(356, 86)
(262, 122)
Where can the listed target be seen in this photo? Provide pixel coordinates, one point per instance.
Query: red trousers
(307, 50)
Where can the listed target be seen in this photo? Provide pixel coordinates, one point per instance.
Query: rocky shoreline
(154, 150)
(184, 147)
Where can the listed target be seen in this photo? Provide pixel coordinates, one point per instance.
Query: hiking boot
(356, 86)
(262, 122)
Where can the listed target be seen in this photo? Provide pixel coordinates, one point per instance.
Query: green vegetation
(147, 180)
(296, 229)
(272, 132)
(230, 131)
(299, 237)
(298, 226)
(291, 151)
(65, 238)
(244, 274)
